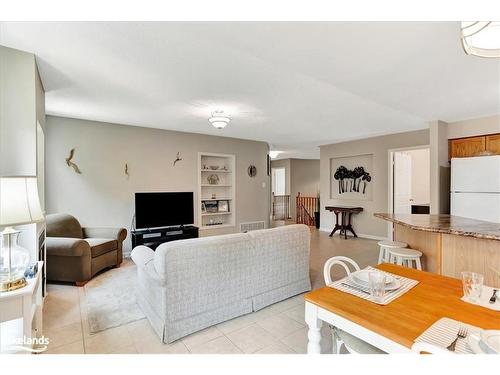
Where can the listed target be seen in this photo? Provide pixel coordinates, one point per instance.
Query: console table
(345, 219)
(25, 303)
(155, 237)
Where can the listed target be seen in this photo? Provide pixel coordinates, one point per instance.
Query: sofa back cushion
(281, 256)
(204, 274)
(63, 225)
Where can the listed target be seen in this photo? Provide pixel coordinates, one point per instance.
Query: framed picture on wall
(352, 177)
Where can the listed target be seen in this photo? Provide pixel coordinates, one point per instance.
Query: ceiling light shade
(219, 120)
(481, 38)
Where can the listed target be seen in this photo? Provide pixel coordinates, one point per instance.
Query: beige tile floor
(277, 329)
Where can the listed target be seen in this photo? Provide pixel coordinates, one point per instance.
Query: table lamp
(19, 204)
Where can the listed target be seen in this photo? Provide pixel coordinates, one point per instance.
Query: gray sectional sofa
(188, 285)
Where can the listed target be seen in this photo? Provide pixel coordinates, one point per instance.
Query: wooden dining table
(393, 328)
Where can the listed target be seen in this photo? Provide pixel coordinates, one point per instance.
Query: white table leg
(314, 334)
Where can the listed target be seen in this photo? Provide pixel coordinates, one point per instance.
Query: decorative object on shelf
(214, 196)
(70, 163)
(351, 178)
(214, 167)
(19, 204)
(213, 222)
(481, 38)
(31, 270)
(203, 208)
(213, 179)
(219, 119)
(252, 171)
(126, 170)
(177, 158)
(211, 207)
(224, 168)
(223, 206)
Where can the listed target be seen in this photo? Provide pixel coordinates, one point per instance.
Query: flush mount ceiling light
(274, 154)
(481, 38)
(219, 119)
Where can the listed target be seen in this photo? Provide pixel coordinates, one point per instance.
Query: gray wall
(103, 196)
(472, 127)
(365, 223)
(18, 112)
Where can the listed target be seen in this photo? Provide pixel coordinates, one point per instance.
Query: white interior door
(278, 181)
(402, 183)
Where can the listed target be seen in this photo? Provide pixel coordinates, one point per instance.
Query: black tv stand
(154, 237)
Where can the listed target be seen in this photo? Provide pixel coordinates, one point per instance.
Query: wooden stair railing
(305, 207)
(281, 207)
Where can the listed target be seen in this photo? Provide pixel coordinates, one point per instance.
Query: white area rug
(110, 298)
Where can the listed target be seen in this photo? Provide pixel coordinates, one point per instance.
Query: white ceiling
(295, 85)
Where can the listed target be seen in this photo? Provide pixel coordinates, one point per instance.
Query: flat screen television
(164, 209)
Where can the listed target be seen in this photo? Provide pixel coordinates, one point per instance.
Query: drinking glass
(376, 281)
(473, 285)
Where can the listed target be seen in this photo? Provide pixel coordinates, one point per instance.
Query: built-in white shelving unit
(216, 190)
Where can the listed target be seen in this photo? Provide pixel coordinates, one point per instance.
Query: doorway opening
(278, 180)
(281, 201)
(410, 181)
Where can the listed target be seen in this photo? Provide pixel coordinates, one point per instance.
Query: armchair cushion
(118, 234)
(63, 225)
(71, 247)
(100, 246)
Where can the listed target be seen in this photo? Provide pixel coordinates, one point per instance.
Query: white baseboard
(361, 235)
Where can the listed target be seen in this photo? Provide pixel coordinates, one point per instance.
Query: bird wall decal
(70, 163)
(178, 158)
(126, 170)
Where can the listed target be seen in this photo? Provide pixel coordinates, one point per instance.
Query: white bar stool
(405, 257)
(385, 246)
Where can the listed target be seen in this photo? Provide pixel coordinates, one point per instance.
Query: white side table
(25, 303)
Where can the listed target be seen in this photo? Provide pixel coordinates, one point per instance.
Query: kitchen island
(451, 244)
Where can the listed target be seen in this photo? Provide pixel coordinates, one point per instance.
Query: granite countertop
(448, 224)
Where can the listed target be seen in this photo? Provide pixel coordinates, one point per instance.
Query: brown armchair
(76, 254)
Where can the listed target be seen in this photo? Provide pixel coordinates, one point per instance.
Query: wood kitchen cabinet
(465, 147)
(493, 143)
(473, 146)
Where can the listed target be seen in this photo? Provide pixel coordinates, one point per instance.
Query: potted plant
(316, 213)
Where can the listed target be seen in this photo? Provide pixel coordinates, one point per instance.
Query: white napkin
(484, 300)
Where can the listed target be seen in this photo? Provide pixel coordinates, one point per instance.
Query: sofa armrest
(115, 233)
(143, 257)
(71, 247)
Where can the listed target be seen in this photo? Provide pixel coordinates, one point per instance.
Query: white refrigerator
(475, 187)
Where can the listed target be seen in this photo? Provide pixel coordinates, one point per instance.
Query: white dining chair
(425, 347)
(339, 337)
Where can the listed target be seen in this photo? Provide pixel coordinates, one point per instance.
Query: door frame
(390, 180)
